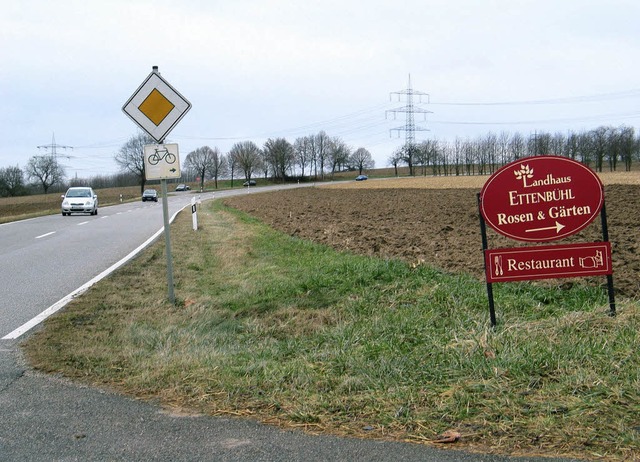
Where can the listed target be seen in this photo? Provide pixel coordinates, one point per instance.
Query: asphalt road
(46, 418)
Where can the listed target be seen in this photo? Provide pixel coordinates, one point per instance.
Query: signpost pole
(157, 107)
(485, 246)
(605, 238)
(167, 240)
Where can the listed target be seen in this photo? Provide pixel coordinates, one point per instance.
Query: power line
(53, 147)
(628, 115)
(566, 100)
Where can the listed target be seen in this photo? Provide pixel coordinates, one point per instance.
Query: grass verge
(296, 334)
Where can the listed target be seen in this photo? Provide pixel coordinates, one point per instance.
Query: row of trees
(320, 155)
(601, 148)
(41, 173)
(278, 159)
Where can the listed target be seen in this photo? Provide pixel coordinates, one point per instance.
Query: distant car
(183, 187)
(362, 177)
(79, 200)
(249, 183)
(150, 195)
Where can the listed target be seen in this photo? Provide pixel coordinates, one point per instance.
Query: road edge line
(57, 306)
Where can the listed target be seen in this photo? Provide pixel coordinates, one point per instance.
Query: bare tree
(246, 157)
(458, 158)
(539, 144)
(202, 161)
(483, 155)
(470, 156)
(558, 144)
(130, 158)
(361, 159)
(394, 160)
(321, 150)
(427, 154)
(409, 153)
(571, 149)
(584, 148)
(620, 147)
(599, 142)
(338, 154)
(303, 152)
(518, 146)
(628, 145)
(219, 167)
(232, 165)
(490, 147)
(279, 156)
(503, 147)
(265, 166)
(45, 171)
(11, 181)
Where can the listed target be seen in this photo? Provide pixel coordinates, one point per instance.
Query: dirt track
(439, 227)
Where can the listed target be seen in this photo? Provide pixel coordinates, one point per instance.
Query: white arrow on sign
(557, 227)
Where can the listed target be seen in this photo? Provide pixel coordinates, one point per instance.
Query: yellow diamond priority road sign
(156, 106)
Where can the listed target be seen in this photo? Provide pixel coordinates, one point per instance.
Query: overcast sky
(255, 70)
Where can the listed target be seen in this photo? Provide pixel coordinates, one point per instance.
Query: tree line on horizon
(602, 148)
(318, 156)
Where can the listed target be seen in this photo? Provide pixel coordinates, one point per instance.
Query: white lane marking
(83, 223)
(45, 235)
(27, 326)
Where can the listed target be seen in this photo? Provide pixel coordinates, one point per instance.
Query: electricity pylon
(410, 109)
(53, 148)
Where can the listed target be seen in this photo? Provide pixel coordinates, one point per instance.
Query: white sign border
(181, 107)
(160, 171)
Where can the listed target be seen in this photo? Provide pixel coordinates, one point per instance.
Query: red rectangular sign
(547, 262)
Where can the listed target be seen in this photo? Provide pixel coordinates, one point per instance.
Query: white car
(79, 200)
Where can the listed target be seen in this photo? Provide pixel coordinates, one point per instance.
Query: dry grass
(297, 335)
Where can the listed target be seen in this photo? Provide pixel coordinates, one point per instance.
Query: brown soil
(439, 227)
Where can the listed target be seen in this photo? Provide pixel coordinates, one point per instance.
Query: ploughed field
(435, 221)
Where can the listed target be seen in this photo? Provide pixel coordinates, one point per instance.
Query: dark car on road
(249, 183)
(183, 187)
(150, 195)
(361, 177)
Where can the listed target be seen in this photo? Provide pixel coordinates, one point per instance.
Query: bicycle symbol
(160, 154)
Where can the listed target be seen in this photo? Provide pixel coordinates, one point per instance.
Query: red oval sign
(541, 198)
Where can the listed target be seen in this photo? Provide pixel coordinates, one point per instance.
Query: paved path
(45, 418)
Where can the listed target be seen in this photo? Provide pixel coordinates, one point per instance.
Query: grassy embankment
(299, 335)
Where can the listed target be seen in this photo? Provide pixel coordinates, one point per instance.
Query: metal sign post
(167, 240)
(485, 245)
(157, 107)
(161, 162)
